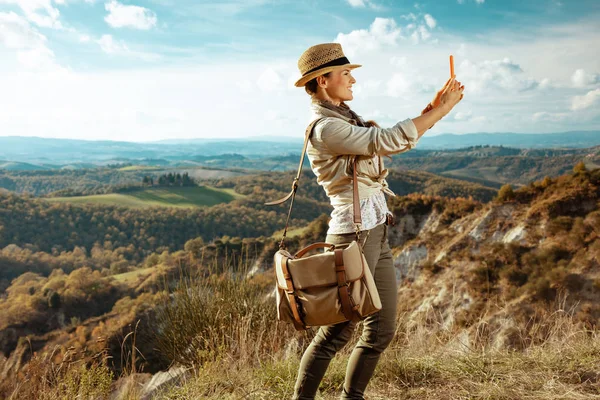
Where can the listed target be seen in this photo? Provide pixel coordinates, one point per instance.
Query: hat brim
(302, 81)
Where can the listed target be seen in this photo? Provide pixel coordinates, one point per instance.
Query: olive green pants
(378, 328)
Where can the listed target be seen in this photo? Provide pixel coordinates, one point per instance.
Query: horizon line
(267, 137)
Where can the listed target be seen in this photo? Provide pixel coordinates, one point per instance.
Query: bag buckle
(390, 220)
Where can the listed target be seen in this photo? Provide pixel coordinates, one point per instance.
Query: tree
(579, 168)
(194, 246)
(54, 301)
(506, 193)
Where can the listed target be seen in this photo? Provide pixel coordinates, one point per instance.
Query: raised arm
(341, 137)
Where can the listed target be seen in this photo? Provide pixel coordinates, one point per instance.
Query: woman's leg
(317, 356)
(330, 339)
(379, 328)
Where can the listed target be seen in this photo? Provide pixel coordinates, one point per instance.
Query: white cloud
(363, 4)
(398, 86)
(430, 21)
(582, 79)
(398, 61)
(110, 46)
(28, 44)
(84, 38)
(121, 15)
(357, 3)
(16, 33)
(586, 101)
(397, 81)
(270, 81)
(544, 116)
(545, 83)
(385, 32)
(488, 75)
(463, 115)
(119, 48)
(40, 12)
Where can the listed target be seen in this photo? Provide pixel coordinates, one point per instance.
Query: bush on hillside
(506, 193)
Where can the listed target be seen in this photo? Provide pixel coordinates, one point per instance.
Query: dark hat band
(337, 61)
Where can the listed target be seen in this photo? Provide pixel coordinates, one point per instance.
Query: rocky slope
(501, 263)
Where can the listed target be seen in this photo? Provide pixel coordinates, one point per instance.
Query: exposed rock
(407, 228)
(164, 379)
(130, 386)
(431, 224)
(408, 261)
(517, 234)
(481, 226)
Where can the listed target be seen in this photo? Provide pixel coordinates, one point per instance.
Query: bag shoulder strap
(292, 193)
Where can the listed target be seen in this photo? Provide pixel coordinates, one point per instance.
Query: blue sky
(149, 70)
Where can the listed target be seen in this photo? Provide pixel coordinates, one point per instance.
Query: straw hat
(321, 59)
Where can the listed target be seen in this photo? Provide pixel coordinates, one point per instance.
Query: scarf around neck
(343, 110)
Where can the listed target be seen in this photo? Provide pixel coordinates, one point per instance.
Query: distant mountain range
(27, 153)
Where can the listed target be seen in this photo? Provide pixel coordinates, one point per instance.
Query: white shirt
(373, 211)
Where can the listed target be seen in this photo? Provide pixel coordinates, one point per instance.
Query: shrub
(515, 275)
(543, 291)
(574, 282)
(506, 193)
(579, 168)
(559, 224)
(209, 317)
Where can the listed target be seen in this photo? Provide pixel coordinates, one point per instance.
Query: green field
(182, 197)
(292, 232)
(129, 277)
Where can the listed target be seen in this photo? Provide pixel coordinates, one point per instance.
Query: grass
(181, 197)
(224, 329)
(132, 276)
(565, 366)
(253, 357)
(293, 232)
(489, 174)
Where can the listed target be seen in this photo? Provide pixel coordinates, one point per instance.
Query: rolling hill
(55, 153)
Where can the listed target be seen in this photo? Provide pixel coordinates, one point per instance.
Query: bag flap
(319, 269)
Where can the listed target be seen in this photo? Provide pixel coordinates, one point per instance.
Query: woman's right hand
(452, 95)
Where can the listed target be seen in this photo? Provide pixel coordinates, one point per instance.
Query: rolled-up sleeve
(341, 137)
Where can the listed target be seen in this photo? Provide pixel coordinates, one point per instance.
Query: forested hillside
(495, 166)
(92, 180)
(134, 233)
(488, 165)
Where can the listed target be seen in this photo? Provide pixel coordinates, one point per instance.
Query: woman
(339, 137)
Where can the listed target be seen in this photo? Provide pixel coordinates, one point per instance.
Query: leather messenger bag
(328, 287)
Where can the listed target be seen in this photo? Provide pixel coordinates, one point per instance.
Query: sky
(165, 69)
